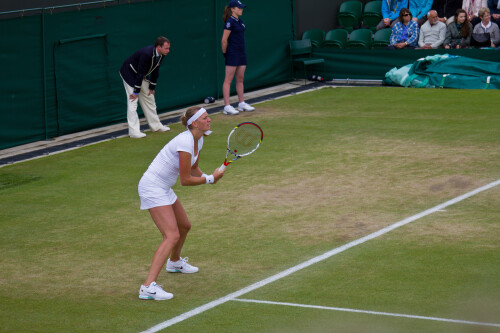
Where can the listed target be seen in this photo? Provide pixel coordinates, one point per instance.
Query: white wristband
(203, 175)
(210, 179)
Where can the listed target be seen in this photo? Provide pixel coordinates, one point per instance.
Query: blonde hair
(482, 11)
(188, 114)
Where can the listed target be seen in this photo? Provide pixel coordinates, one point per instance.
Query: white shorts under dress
(155, 186)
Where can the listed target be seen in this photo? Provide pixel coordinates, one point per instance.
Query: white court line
(369, 312)
(315, 260)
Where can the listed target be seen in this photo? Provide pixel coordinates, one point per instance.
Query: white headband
(195, 117)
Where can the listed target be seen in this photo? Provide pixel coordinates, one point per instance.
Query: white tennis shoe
(163, 128)
(245, 107)
(137, 136)
(154, 291)
(228, 109)
(181, 266)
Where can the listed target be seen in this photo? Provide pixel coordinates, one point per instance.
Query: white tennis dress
(155, 186)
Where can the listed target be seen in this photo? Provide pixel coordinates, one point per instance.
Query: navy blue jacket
(142, 65)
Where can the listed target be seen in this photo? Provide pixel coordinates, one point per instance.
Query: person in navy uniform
(233, 48)
(140, 73)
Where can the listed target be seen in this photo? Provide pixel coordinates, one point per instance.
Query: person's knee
(172, 236)
(239, 78)
(187, 226)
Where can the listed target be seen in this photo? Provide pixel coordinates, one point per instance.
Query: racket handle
(222, 167)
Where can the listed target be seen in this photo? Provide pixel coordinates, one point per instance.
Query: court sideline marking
(315, 260)
(367, 312)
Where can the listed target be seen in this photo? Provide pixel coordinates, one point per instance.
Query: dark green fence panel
(61, 71)
(22, 117)
(81, 82)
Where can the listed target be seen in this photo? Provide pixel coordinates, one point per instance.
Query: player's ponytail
(227, 13)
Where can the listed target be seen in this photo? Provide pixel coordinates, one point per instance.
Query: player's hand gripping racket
(243, 140)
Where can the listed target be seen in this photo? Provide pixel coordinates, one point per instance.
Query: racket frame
(238, 156)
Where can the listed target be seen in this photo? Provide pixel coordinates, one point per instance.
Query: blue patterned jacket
(397, 32)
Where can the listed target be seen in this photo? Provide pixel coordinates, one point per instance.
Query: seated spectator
(458, 32)
(432, 32)
(405, 32)
(494, 7)
(419, 10)
(487, 26)
(390, 12)
(446, 8)
(472, 8)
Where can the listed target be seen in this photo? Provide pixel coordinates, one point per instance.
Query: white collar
(486, 27)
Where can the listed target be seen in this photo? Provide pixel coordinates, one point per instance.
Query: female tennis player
(233, 48)
(178, 158)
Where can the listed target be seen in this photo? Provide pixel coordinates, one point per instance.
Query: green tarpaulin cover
(447, 71)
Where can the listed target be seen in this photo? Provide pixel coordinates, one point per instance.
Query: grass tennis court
(335, 165)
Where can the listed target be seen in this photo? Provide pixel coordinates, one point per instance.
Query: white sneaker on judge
(163, 129)
(181, 266)
(137, 136)
(228, 109)
(154, 291)
(245, 107)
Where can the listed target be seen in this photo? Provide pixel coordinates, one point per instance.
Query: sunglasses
(406, 14)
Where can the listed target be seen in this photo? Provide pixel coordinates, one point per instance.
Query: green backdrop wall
(60, 70)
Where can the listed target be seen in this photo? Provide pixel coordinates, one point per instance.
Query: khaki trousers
(148, 106)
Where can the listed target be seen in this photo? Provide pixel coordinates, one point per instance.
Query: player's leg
(175, 263)
(184, 226)
(164, 218)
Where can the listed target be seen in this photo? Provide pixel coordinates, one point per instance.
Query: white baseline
(317, 259)
(368, 312)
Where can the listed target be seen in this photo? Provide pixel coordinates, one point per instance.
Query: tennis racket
(243, 140)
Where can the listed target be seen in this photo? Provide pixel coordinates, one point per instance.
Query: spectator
(419, 10)
(446, 8)
(472, 8)
(487, 26)
(390, 12)
(405, 32)
(494, 7)
(432, 32)
(458, 32)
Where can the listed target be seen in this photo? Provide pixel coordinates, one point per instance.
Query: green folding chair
(317, 36)
(349, 14)
(360, 38)
(300, 52)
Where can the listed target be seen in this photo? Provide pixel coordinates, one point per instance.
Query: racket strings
(244, 140)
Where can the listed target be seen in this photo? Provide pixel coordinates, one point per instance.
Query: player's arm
(191, 176)
(185, 171)
(195, 169)
(225, 36)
